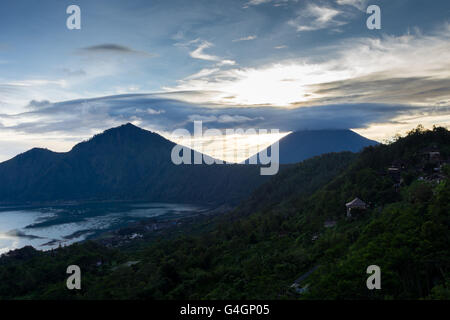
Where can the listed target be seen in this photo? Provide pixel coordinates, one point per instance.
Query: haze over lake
(48, 227)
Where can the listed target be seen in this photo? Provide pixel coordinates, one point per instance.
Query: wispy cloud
(17, 93)
(315, 17)
(359, 4)
(276, 3)
(223, 119)
(198, 53)
(153, 111)
(248, 38)
(73, 72)
(256, 3)
(161, 113)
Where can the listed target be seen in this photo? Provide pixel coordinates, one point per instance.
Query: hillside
(286, 232)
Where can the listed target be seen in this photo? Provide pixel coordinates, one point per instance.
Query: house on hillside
(356, 203)
(395, 171)
(432, 154)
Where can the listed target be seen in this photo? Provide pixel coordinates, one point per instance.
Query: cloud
(315, 17)
(355, 70)
(80, 117)
(256, 2)
(35, 82)
(59, 126)
(153, 111)
(198, 53)
(359, 4)
(203, 73)
(73, 73)
(17, 94)
(248, 38)
(94, 71)
(20, 234)
(276, 3)
(383, 88)
(223, 118)
(38, 104)
(227, 62)
(113, 48)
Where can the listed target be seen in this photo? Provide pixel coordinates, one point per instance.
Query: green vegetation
(261, 248)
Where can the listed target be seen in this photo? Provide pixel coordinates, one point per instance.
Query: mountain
(124, 163)
(129, 163)
(301, 145)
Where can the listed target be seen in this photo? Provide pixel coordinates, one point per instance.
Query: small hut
(356, 203)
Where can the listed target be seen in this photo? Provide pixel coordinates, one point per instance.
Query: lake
(47, 227)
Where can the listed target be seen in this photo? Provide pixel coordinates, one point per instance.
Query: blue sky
(283, 64)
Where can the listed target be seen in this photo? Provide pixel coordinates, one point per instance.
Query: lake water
(50, 226)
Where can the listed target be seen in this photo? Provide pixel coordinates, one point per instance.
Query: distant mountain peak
(300, 145)
(125, 127)
(36, 152)
(130, 128)
(125, 135)
(39, 150)
(129, 125)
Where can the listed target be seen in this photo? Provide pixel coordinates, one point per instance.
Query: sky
(271, 64)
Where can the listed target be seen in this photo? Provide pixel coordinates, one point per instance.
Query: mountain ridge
(131, 163)
(125, 163)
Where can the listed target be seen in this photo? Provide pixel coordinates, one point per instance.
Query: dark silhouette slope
(121, 163)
